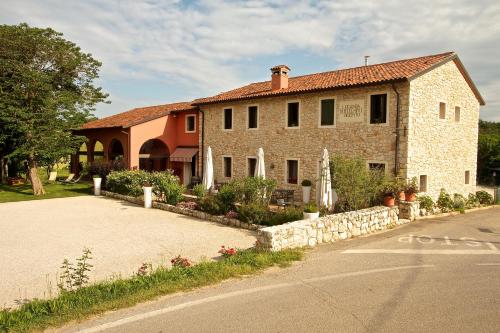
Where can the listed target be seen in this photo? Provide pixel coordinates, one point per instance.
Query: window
(377, 167)
(457, 114)
(252, 163)
(467, 177)
(327, 112)
(292, 171)
(423, 183)
(293, 114)
(190, 123)
(228, 119)
(442, 110)
(378, 109)
(228, 166)
(253, 117)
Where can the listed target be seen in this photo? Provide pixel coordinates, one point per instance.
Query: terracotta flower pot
(389, 201)
(410, 196)
(401, 196)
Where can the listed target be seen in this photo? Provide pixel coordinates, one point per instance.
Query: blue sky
(155, 52)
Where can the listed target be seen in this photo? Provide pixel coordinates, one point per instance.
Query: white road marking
(181, 306)
(489, 264)
(420, 251)
(491, 246)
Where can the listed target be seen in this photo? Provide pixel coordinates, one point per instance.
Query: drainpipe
(396, 156)
(202, 142)
(127, 133)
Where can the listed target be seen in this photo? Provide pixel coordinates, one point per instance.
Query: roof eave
(298, 92)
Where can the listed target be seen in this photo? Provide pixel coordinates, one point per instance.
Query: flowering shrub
(180, 262)
(187, 205)
(232, 214)
(227, 252)
(145, 269)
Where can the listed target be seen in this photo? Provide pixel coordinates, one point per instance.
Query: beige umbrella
(325, 182)
(208, 170)
(260, 169)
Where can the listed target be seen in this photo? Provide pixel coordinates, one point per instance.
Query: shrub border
(186, 211)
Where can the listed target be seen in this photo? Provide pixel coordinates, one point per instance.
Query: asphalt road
(440, 275)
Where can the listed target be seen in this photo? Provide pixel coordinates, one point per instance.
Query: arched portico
(115, 150)
(153, 155)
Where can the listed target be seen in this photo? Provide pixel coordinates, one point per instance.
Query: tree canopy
(46, 90)
(488, 156)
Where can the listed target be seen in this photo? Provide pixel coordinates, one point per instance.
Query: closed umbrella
(260, 169)
(208, 170)
(325, 182)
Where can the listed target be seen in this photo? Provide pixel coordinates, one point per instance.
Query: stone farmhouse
(413, 118)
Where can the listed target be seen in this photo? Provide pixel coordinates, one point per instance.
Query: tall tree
(46, 89)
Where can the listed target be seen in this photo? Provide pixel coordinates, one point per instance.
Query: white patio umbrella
(208, 170)
(325, 182)
(260, 169)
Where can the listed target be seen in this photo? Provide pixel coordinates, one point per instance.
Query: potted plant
(306, 190)
(97, 184)
(311, 211)
(148, 194)
(389, 192)
(411, 189)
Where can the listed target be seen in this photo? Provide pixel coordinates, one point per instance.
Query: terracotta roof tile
(138, 115)
(377, 73)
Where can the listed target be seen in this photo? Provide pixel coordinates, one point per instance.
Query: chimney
(279, 77)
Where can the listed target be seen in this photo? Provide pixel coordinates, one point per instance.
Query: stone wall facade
(329, 229)
(373, 142)
(442, 149)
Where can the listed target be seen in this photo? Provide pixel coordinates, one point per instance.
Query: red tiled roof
(138, 115)
(378, 73)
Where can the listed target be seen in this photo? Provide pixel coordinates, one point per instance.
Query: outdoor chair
(52, 176)
(74, 181)
(283, 198)
(69, 179)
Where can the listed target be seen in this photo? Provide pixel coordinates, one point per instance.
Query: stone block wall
(373, 142)
(409, 210)
(329, 229)
(442, 149)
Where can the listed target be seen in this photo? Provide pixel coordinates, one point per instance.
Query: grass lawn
(119, 293)
(54, 190)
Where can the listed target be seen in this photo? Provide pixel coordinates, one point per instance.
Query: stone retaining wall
(329, 229)
(185, 211)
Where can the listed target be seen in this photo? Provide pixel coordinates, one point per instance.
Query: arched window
(98, 151)
(153, 155)
(82, 153)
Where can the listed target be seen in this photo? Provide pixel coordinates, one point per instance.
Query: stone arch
(153, 155)
(115, 150)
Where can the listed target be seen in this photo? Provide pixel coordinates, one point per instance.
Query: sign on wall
(351, 111)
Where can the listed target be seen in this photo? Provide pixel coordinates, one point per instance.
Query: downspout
(127, 133)
(202, 142)
(398, 137)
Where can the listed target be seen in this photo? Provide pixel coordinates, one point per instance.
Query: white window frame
(186, 123)
(387, 104)
(224, 166)
(298, 169)
(459, 114)
(286, 113)
(248, 117)
(334, 112)
(224, 118)
(439, 110)
(385, 163)
(247, 158)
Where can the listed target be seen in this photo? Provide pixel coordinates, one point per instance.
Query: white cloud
(203, 45)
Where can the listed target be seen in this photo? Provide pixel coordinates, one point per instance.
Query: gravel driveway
(35, 237)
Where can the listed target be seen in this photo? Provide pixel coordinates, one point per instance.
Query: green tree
(488, 156)
(46, 90)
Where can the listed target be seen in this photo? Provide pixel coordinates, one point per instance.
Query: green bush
(356, 186)
(253, 213)
(484, 198)
(310, 208)
(286, 215)
(472, 201)
(226, 197)
(458, 202)
(444, 202)
(167, 187)
(426, 202)
(200, 191)
(210, 205)
(306, 182)
(254, 190)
